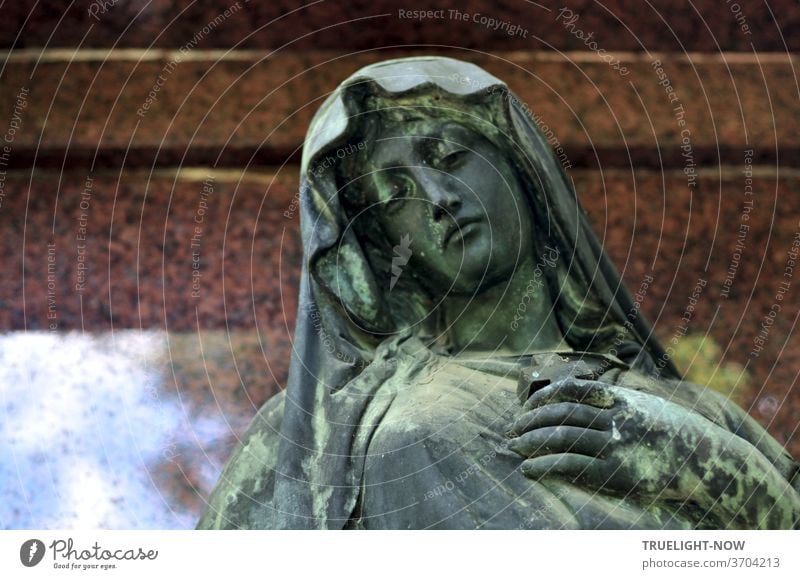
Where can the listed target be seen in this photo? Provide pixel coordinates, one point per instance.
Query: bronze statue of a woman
(466, 355)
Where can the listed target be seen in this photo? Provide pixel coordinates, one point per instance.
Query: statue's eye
(399, 188)
(453, 159)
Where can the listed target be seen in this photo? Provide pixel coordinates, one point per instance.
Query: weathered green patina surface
(448, 270)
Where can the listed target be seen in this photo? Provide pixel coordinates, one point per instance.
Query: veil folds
(343, 322)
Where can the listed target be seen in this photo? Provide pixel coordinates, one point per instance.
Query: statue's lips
(461, 228)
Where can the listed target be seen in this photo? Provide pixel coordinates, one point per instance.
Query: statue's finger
(561, 439)
(575, 468)
(562, 413)
(572, 390)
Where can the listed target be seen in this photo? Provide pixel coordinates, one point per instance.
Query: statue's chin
(477, 284)
(467, 275)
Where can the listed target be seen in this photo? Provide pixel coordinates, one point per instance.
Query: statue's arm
(738, 481)
(748, 475)
(698, 452)
(731, 416)
(769, 462)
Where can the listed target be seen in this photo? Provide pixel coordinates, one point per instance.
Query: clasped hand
(609, 437)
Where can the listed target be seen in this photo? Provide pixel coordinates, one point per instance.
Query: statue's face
(452, 198)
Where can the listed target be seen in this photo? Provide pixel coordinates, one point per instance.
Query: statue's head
(425, 178)
(430, 185)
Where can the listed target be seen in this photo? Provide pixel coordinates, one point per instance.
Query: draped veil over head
(312, 474)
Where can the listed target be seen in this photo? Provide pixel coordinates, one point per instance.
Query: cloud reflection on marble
(86, 423)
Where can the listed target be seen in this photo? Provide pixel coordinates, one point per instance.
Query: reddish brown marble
(703, 25)
(140, 262)
(683, 235)
(139, 254)
(225, 112)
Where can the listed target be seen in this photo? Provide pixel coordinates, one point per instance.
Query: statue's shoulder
(245, 486)
(271, 412)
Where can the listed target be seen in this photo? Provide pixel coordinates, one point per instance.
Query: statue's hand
(605, 436)
(637, 444)
(602, 436)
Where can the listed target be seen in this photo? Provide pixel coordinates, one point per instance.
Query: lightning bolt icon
(34, 548)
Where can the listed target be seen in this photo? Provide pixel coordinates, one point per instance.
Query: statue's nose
(444, 199)
(446, 203)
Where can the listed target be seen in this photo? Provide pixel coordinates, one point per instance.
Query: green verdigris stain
(701, 359)
(400, 409)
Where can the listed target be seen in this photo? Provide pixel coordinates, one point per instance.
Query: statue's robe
(436, 456)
